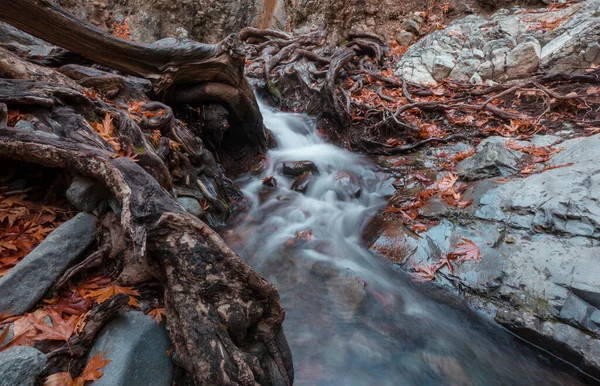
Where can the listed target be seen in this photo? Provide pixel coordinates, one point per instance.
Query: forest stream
(350, 318)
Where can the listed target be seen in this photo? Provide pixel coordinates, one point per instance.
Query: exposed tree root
(354, 86)
(223, 316)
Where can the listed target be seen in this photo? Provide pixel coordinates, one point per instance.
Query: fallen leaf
(157, 314)
(467, 250)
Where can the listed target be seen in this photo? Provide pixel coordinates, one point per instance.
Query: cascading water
(350, 318)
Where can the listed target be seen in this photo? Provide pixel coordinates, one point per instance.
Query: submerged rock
(20, 366)
(137, 348)
(302, 182)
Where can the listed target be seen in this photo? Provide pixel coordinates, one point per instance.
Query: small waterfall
(351, 319)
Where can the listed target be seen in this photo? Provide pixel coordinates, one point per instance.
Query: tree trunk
(170, 66)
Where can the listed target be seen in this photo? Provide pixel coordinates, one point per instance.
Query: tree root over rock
(225, 319)
(354, 88)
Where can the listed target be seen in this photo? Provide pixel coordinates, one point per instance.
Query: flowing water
(350, 318)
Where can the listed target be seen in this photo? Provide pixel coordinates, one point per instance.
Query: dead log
(168, 66)
(225, 319)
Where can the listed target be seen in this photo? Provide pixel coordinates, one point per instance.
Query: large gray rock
(492, 159)
(540, 268)
(137, 347)
(20, 366)
(24, 285)
(85, 193)
(513, 45)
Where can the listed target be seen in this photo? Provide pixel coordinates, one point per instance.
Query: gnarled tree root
(225, 320)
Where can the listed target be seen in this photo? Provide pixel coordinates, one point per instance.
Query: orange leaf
(92, 369)
(61, 329)
(157, 314)
(103, 294)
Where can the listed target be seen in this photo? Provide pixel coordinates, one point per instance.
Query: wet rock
(86, 193)
(302, 182)
(491, 159)
(294, 169)
(23, 286)
(138, 349)
(347, 186)
(191, 205)
(20, 366)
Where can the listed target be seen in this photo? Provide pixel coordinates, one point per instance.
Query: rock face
(539, 239)
(138, 348)
(20, 366)
(204, 20)
(29, 281)
(510, 45)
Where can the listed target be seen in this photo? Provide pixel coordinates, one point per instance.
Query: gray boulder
(23, 286)
(86, 193)
(540, 269)
(137, 347)
(492, 159)
(20, 366)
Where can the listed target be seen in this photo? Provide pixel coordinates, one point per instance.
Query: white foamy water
(350, 318)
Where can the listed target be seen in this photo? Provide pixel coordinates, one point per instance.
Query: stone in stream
(20, 366)
(294, 169)
(347, 186)
(137, 347)
(302, 182)
(86, 193)
(24, 285)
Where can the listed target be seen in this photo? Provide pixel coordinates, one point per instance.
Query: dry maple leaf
(103, 294)
(92, 369)
(62, 329)
(424, 272)
(122, 31)
(447, 182)
(467, 250)
(90, 373)
(61, 379)
(157, 314)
